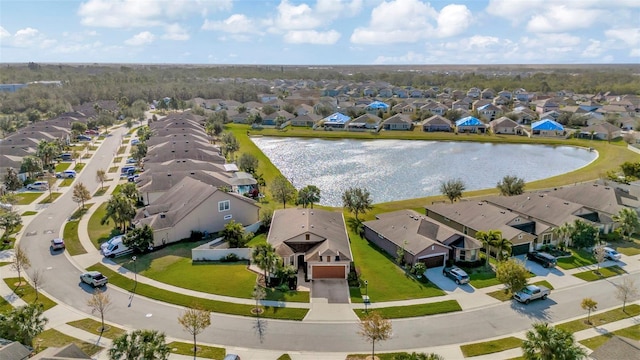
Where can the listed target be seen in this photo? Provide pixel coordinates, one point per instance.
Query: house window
(462, 255)
(328, 258)
(224, 206)
(228, 217)
(337, 257)
(474, 255)
(546, 239)
(307, 236)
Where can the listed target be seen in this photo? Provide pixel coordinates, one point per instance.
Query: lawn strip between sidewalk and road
(51, 198)
(399, 312)
(601, 319)
(602, 273)
(632, 332)
(490, 347)
(27, 294)
(93, 326)
(152, 292)
(203, 351)
(71, 240)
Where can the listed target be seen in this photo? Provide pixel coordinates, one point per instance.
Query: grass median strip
(27, 198)
(66, 182)
(71, 240)
(399, 312)
(93, 326)
(29, 213)
(51, 198)
(490, 347)
(54, 338)
(27, 293)
(601, 319)
(207, 352)
(152, 292)
(632, 332)
(604, 272)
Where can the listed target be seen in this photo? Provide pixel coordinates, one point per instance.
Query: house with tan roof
(422, 239)
(313, 240)
(504, 125)
(192, 205)
(437, 123)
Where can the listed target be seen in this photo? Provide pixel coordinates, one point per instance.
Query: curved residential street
(481, 321)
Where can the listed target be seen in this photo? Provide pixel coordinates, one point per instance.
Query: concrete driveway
(449, 286)
(332, 291)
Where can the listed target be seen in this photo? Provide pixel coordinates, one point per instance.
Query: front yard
(579, 258)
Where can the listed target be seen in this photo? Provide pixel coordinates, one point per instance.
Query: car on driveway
(542, 258)
(456, 274)
(83, 138)
(611, 254)
(94, 278)
(67, 174)
(38, 185)
(57, 244)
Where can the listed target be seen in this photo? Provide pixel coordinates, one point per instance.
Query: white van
(106, 244)
(116, 248)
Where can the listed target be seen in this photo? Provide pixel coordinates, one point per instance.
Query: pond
(394, 170)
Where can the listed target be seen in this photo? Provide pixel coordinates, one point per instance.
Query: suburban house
(435, 108)
(547, 105)
(504, 125)
(470, 124)
(192, 205)
(423, 240)
(336, 121)
(469, 217)
(308, 120)
(489, 111)
(365, 122)
(314, 240)
(602, 131)
(437, 123)
(376, 106)
(398, 122)
(547, 127)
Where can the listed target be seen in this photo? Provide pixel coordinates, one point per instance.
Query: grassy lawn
(79, 213)
(54, 338)
(398, 312)
(284, 357)
(27, 294)
(60, 167)
(117, 189)
(100, 233)
(604, 272)
(579, 258)
(66, 182)
(207, 352)
(127, 284)
(506, 295)
(100, 192)
(29, 213)
(387, 282)
(125, 141)
(121, 150)
(71, 240)
(380, 356)
(601, 319)
(629, 248)
(632, 332)
(113, 169)
(490, 347)
(52, 198)
(27, 198)
(79, 167)
(93, 326)
(483, 278)
(258, 239)
(117, 159)
(173, 265)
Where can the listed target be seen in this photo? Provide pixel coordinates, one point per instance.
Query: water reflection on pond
(405, 169)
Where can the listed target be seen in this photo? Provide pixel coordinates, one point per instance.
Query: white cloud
(234, 24)
(4, 34)
(137, 13)
(629, 36)
(175, 32)
(142, 38)
(409, 58)
(312, 37)
(561, 18)
(30, 37)
(453, 20)
(594, 49)
(305, 17)
(410, 21)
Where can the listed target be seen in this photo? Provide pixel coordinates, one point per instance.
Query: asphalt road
(62, 282)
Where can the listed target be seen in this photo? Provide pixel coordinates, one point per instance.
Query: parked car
(116, 248)
(611, 254)
(94, 279)
(66, 157)
(134, 178)
(135, 142)
(532, 292)
(83, 138)
(131, 161)
(92, 132)
(456, 274)
(542, 258)
(57, 244)
(6, 206)
(70, 174)
(231, 357)
(106, 244)
(38, 185)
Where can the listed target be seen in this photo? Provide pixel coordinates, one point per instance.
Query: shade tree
(452, 189)
(357, 200)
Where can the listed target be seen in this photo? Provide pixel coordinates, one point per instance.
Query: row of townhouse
(187, 185)
(447, 231)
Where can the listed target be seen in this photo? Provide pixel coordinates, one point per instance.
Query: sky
(321, 32)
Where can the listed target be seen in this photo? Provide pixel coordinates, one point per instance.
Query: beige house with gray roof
(314, 240)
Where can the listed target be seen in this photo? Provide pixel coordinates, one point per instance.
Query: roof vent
(480, 203)
(566, 203)
(312, 226)
(311, 213)
(162, 216)
(528, 197)
(168, 174)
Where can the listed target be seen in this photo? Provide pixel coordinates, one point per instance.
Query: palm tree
(139, 345)
(511, 185)
(545, 342)
(488, 239)
(452, 189)
(627, 218)
(308, 195)
(265, 257)
(502, 245)
(562, 232)
(121, 210)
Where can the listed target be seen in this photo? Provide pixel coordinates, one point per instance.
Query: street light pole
(366, 294)
(135, 274)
